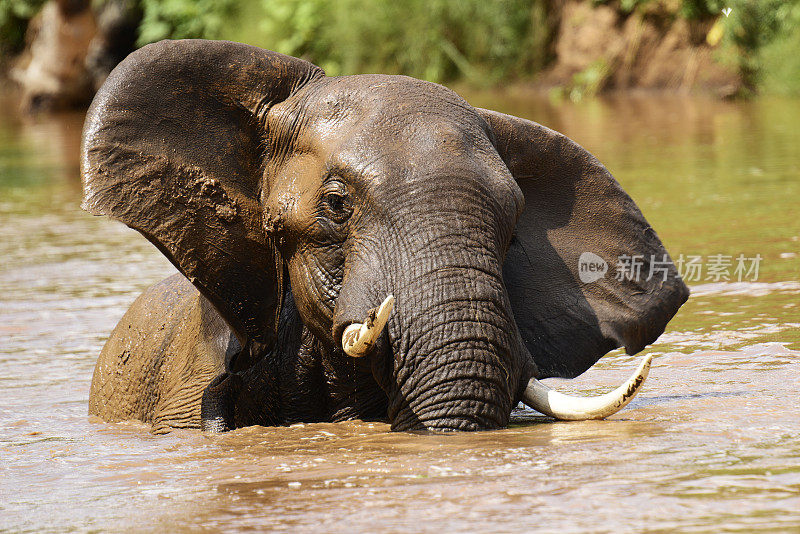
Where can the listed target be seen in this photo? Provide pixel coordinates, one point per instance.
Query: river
(711, 444)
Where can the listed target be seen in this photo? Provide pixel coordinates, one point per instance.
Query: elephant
(355, 247)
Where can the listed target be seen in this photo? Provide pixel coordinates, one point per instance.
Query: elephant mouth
(358, 340)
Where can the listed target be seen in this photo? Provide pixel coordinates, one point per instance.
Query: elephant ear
(175, 144)
(576, 215)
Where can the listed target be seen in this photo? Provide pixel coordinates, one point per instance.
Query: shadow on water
(710, 444)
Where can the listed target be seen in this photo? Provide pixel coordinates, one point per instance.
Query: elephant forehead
(374, 128)
(384, 108)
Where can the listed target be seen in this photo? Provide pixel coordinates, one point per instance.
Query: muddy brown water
(711, 444)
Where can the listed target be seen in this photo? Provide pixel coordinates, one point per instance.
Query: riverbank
(568, 48)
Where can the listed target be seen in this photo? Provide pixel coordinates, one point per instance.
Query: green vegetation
(438, 40)
(584, 83)
(765, 36)
(14, 17)
(184, 19)
(473, 41)
(779, 59)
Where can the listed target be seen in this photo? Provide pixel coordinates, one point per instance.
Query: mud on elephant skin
(294, 204)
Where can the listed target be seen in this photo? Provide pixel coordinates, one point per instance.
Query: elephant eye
(336, 202)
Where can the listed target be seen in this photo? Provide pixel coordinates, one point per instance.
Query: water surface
(711, 444)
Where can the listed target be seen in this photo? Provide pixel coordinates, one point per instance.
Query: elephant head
(254, 172)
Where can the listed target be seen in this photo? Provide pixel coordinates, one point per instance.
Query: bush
(762, 36)
(14, 17)
(184, 19)
(437, 40)
(778, 59)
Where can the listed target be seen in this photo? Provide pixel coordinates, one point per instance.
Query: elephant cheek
(314, 292)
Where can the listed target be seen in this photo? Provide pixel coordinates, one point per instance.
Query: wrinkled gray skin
(296, 202)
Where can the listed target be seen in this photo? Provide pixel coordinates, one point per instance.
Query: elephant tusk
(358, 338)
(550, 402)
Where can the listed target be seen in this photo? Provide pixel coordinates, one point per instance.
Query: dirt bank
(600, 48)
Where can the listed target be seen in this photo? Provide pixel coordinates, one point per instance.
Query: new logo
(591, 267)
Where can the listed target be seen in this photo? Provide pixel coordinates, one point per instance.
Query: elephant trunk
(455, 356)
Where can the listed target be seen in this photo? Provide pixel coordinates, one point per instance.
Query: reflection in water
(711, 443)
